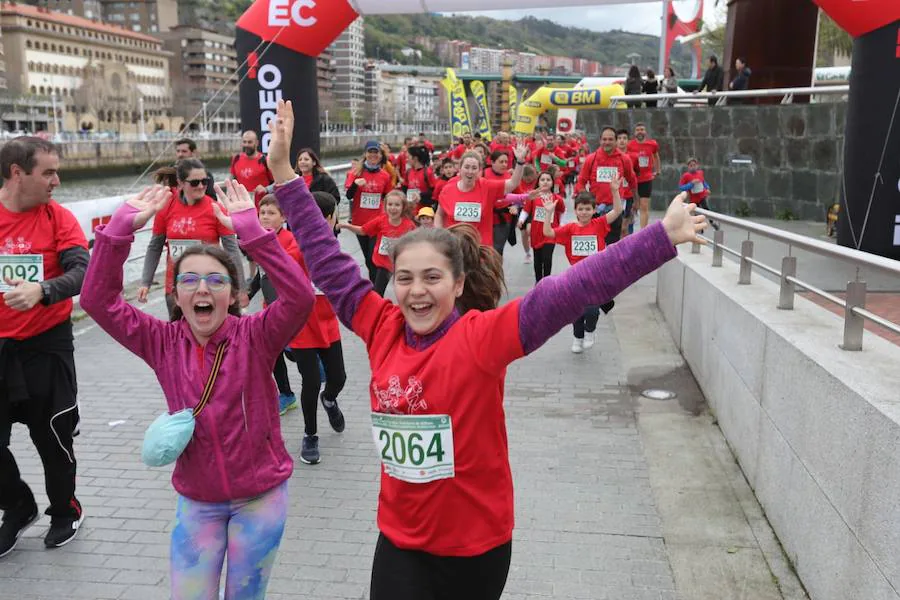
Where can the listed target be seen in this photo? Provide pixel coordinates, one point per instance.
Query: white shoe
(528, 259)
(578, 346)
(588, 339)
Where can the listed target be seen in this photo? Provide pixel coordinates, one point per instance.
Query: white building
(486, 60)
(349, 56)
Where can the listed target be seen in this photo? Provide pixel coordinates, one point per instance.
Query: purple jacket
(237, 450)
(554, 303)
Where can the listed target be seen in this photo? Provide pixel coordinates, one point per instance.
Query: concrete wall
(795, 149)
(124, 156)
(815, 429)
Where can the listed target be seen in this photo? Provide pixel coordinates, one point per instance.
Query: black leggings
(543, 261)
(335, 377)
(281, 375)
(382, 278)
(367, 245)
(414, 575)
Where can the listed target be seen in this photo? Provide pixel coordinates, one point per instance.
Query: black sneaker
(15, 522)
(335, 416)
(62, 531)
(309, 451)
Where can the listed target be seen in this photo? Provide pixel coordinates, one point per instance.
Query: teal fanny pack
(169, 434)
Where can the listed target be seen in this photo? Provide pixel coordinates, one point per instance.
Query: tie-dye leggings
(247, 531)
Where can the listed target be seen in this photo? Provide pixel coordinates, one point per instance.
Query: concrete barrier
(815, 429)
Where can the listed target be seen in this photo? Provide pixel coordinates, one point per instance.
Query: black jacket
(742, 81)
(713, 80)
(322, 182)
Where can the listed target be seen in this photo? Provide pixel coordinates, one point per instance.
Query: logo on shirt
(246, 173)
(391, 399)
(17, 245)
(184, 225)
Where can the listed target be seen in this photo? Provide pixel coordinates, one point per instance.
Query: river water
(74, 190)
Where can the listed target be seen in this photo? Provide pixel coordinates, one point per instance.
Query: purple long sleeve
(558, 300)
(334, 272)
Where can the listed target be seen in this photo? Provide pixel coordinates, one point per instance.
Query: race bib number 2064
(415, 448)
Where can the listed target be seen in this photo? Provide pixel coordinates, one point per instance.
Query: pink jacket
(237, 450)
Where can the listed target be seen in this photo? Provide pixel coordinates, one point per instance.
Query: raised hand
(520, 152)
(236, 199)
(148, 202)
(615, 183)
(281, 129)
(550, 204)
(681, 225)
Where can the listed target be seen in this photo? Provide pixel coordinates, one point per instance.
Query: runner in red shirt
(463, 147)
(499, 171)
(385, 230)
(186, 221)
(400, 159)
(583, 238)
(43, 259)
(549, 154)
(420, 181)
(629, 186)
(649, 165)
(447, 170)
(470, 198)
(502, 144)
(533, 211)
(694, 183)
(424, 141)
(249, 167)
(366, 186)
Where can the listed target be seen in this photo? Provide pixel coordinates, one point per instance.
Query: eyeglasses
(216, 282)
(197, 182)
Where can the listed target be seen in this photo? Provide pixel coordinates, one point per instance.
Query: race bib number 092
(415, 448)
(467, 212)
(29, 267)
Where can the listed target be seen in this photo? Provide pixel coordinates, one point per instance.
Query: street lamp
(56, 121)
(143, 137)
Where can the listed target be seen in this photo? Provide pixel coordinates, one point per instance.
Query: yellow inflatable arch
(546, 98)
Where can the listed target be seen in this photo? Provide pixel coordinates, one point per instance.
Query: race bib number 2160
(415, 448)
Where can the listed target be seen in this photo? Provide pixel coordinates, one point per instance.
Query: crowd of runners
(432, 227)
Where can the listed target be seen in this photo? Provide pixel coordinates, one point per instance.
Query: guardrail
(787, 95)
(855, 313)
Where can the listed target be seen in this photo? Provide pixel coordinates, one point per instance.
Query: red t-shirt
(368, 201)
(251, 172)
(629, 181)
(387, 235)
(475, 207)
(500, 215)
(582, 241)
(508, 150)
(418, 181)
(698, 191)
(461, 376)
(535, 208)
(599, 169)
(645, 151)
(185, 225)
(42, 234)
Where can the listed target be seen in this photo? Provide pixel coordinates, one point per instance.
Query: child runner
(425, 217)
(696, 185)
(586, 237)
(438, 359)
(529, 182)
(187, 221)
(385, 230)
(535, 213)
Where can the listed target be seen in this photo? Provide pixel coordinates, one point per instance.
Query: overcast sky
(639, 18)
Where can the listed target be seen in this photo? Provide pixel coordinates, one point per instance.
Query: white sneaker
(588, 339)
(528, 259)
(578, 346)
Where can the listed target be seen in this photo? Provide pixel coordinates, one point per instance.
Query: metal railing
(786, 94)
(855, 313)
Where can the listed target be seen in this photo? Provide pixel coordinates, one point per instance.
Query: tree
(833, 41)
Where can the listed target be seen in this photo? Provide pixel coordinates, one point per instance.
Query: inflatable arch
(546, 98)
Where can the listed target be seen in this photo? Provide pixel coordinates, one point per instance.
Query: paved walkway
(588, 525)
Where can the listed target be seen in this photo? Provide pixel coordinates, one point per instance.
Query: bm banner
(460, 122)
(483, 125)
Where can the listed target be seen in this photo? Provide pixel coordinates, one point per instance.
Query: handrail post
(718, 242)
(788, 269)
(853, 323)
(695, 248)
(746, 266)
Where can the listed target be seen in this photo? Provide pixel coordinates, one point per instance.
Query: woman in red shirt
(470, 198)
(187, 220)
(385, 230)
(499, 171)
(366, 184)
(310, 168)
(533, 212)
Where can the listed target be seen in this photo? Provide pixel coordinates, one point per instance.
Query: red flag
(305, 26)
(858, 17)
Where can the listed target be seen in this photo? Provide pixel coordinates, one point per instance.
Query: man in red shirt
(423, 141)
(600, 169)
(628, 185)
(501, 143)
(43, 258)
(647, 151)
(249, 168)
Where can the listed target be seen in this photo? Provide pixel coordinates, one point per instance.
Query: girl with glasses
(232, 477)
(187, 220)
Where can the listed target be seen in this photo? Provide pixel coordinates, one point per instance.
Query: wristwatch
(45, 293)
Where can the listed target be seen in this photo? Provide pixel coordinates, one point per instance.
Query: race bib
(415, 448)
(412, 196)
(540, 214)
(606, 174)
(571, 163)
(29, 267)
(545, 159)
(582, 159)
(624, 183)
(370, 200)
(384, 248)
(584, 245)
(698, 187)
(643, 161)
(467, 212)
(177, 247)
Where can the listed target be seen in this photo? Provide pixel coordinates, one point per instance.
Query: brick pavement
(587, 526)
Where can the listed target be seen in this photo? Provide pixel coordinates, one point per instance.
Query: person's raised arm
(514, 181)
(101, 294)
(549, 209)
(617, 208)
(355, 229)
(558, 300)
